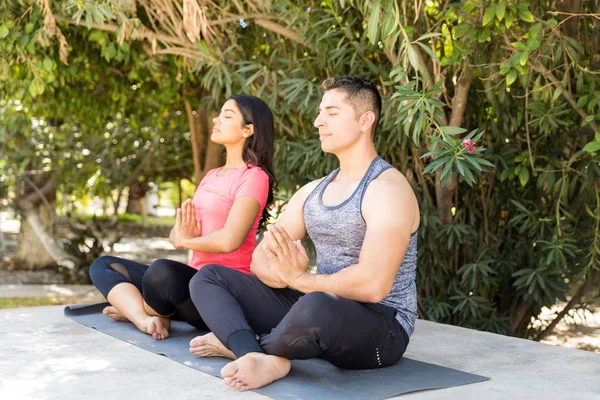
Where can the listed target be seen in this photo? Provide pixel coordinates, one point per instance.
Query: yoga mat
(308, 379)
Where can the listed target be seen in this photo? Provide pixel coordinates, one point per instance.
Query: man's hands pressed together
(288, 258)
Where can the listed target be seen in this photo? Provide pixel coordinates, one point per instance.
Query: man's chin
(327, 149)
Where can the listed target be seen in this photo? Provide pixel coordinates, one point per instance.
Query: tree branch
(38, 196)
(572, 303)
(565, 93)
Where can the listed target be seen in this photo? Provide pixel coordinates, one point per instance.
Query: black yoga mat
(308, 379)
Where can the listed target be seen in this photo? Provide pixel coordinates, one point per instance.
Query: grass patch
(41, 301)
(156, 221)
(161, 221)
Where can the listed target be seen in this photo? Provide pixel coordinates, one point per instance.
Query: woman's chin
(215, 138)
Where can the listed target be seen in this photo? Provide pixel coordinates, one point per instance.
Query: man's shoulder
(390, 179)
(391, 194)
(309, 187)
(390, 187)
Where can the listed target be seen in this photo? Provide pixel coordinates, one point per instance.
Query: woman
(219, 225)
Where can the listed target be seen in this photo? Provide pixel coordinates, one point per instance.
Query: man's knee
(316, 305)
(208, 274)
(311, 313)
(305, 328)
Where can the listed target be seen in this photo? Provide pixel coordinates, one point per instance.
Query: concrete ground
(46, 356)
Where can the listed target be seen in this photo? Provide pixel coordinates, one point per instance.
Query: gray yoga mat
(308, 379)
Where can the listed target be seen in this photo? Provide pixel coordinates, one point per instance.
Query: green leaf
(468, 175)
(33, 89)
(489, 15)
(524, 176)
(511, 77)
(445, 171)
(500, 11)
(48, 64)
(523, 58)
(435, 164)
(535, 29)
(526, 16)
(110, 51)
(582, 101)
(557, 93)
(412, 57)
(462, 29)
(452, 130)
(484, 35)
(587, 120)
(4, 31)
(484, 162)
(508, 21)
(373, 27)
(468, 7)
(519, 46)
(428, 51)
(428, 35)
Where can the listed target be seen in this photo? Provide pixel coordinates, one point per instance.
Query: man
(359, 310)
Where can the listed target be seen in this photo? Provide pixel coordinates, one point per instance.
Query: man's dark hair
(361, 93)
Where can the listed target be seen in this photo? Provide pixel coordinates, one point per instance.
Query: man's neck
(355, 161)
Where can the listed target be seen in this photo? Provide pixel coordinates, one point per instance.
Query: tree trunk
(206, 154)
(571, 26)
(37, 248)
(443, 195)
(137, 197)
(30, 254)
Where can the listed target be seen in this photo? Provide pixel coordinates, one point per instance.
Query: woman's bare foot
(255, 370)
(156, 326)
(113, 313)
(209, 346)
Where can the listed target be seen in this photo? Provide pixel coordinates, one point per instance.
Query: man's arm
(292, 221)
(391, 213)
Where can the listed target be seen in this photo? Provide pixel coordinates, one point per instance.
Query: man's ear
(367, 119)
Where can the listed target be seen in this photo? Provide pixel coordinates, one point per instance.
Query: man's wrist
(298, 280)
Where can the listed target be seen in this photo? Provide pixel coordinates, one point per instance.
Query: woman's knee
(161, 274)
(99, 268)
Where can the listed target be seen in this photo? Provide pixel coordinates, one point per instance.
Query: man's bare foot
(209, 346)
(255, 370)
(156, 326)
(113, 313)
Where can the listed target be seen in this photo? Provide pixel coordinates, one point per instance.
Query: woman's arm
(241, 217)
(173, 238)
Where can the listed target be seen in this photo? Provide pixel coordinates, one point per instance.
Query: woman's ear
(248, 130)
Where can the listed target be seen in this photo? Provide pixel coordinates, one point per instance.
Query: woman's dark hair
(260, 147)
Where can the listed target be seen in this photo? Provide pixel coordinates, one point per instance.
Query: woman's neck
(234, 158)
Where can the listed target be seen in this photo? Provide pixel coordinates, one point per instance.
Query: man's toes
(229, 370)
(239, 384)
(227, 381)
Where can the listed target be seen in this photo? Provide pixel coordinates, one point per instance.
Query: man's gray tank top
(338, 233)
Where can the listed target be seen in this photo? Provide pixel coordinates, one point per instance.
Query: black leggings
(347, 333)
(164, 285)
